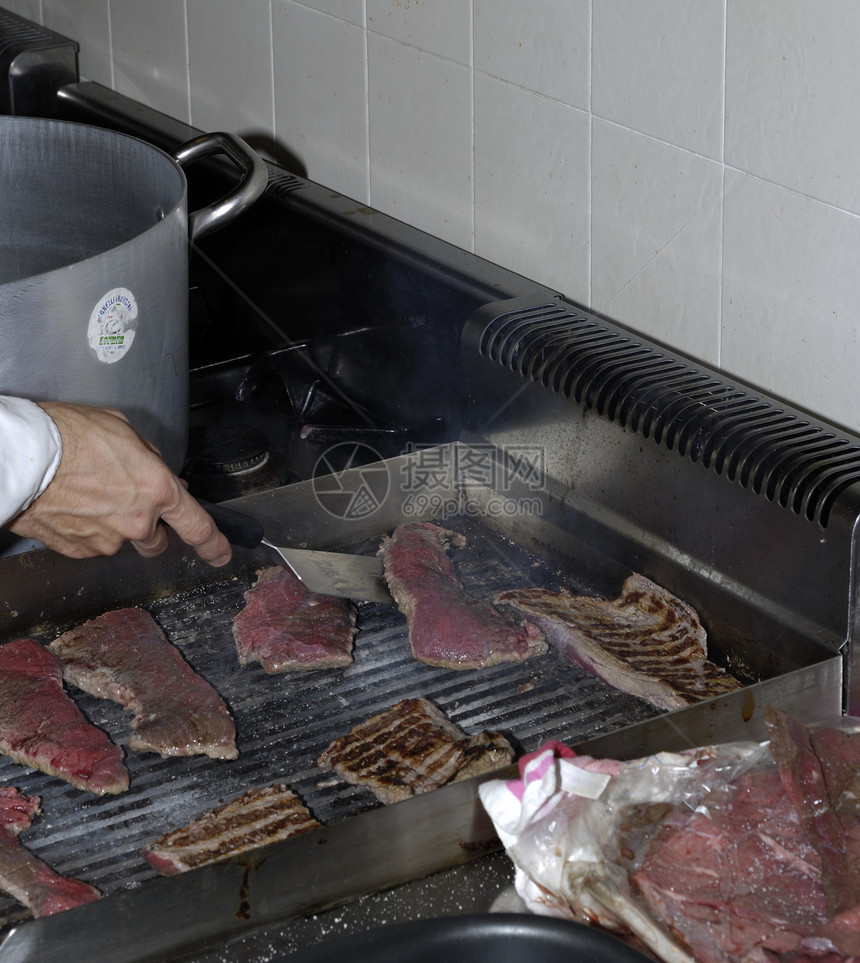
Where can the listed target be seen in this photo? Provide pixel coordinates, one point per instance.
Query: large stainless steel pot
(94, 268)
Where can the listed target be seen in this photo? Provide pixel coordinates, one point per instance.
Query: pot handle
(252, 185)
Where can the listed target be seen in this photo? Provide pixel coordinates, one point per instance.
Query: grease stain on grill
(244, 911)
(475, 849)
(249, 864)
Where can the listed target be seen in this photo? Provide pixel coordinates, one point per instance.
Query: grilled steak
(486, 751)
(647, 642)
(24, 876)
(41, 727)
(448, 627)
(285, 627)
(412, 748)
(257, 817)
(124, 656)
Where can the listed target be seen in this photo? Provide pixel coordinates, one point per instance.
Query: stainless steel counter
(484, 885)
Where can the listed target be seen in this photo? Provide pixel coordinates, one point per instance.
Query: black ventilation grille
(34, 64)
(281, 183)
(796, 463)
(15, 32)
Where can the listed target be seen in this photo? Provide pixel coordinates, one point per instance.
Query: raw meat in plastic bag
(704, 855)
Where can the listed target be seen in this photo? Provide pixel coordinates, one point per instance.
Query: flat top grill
(284, 721)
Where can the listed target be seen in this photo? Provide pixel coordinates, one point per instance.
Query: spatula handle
(240, 529)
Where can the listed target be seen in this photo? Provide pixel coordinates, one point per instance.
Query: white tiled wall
(691, 170)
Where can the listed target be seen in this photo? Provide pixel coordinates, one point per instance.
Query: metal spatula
(329, 573)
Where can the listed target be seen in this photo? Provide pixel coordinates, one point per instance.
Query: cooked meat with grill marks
(412, 748)
(124, 656)
(647, 642)
(256, 818)
(285, 627)
(26, 877)
(41, 727)
(486, 751)
(448, 627)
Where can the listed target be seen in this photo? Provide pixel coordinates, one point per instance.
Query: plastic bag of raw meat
(708, 855)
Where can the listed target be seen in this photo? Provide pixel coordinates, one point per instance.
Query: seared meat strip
(412, 748)
(448, 627)
(486, 751)
(124, 656)
(24, 876)
(285, 627)
(41, 727)
(647, 642)
(257, 817)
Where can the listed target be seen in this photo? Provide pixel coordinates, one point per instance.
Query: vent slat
(680, 394)
(743, 438)
(281, 183)
(758, 443)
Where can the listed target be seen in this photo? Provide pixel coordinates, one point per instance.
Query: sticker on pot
(112, 325)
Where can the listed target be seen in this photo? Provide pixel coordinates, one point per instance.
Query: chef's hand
(112, 486)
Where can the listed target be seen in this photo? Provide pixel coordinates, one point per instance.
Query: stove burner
(229, 459)
(232, 448)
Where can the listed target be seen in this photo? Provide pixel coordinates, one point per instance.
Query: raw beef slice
(737, 875)
(448, 627)
(647, 643)
(41, 727)
(764, 870)
(256, 818)
(820, 770)
(412, 748)
(285, 627)
(24, 876)
(124, 656)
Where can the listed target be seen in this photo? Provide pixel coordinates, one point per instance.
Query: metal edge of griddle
(811, 693)
(174, 916)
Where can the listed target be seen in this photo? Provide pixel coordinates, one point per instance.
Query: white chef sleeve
(30, 451)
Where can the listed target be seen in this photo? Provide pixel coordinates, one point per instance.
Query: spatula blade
(333, 573)
(328, 573)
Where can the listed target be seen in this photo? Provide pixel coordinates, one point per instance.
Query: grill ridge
(792, 461)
